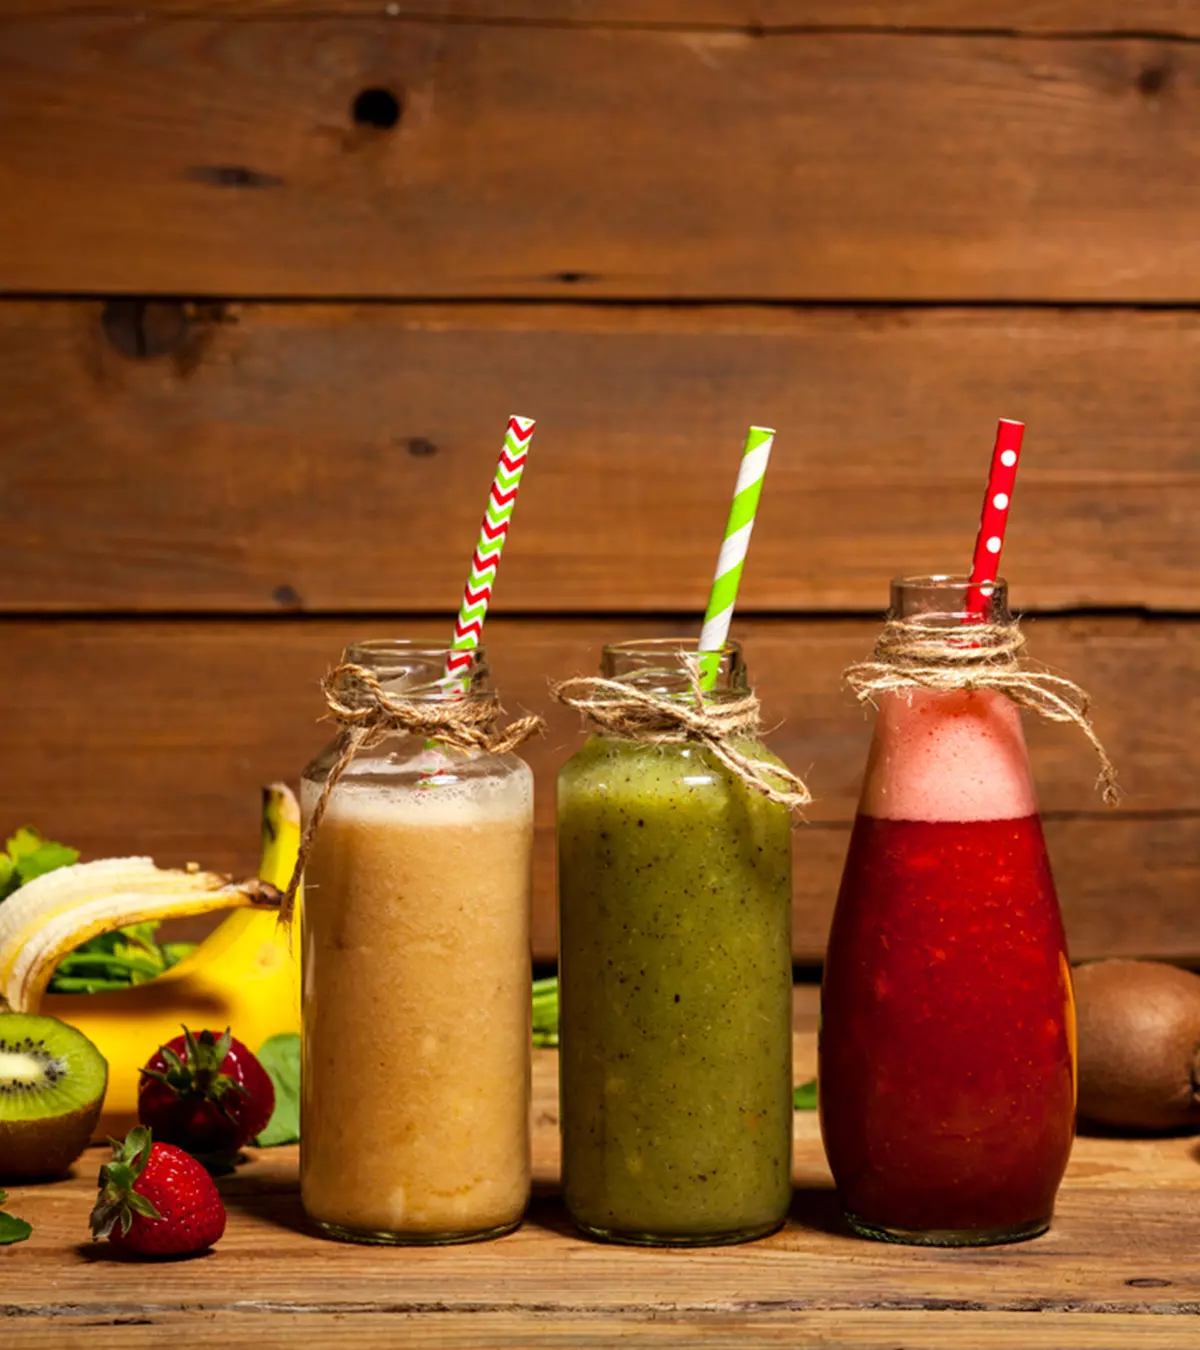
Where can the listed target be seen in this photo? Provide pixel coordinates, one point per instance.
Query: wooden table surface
(1120, 1268)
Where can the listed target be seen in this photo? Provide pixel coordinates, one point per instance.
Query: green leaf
(49, 857)
(545, 1012)
(85, 984)
(280, 1056)
(12, 1230)
(23, 843)
(117, 960)
(804, 1098)
(27, 855)
(174, 952)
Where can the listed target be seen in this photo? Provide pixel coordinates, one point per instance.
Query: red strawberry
(206, 1093)
(156, 1200)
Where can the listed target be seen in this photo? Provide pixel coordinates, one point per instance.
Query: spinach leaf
(280, 1056)
(12, 1230)
(27, 855)
(32, 856)
(804, 1098)
(545, 1012)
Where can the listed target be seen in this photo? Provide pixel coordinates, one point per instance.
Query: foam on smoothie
(951, 757)
(440, 803)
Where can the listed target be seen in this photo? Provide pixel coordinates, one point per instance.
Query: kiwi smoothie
(675, 968)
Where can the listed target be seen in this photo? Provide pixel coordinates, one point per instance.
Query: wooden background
(257, 348)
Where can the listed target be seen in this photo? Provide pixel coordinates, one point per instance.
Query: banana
(245, 975)
(57, 895)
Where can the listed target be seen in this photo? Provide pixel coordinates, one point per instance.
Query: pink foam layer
(948, 757)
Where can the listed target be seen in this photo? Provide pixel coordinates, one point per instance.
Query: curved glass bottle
(676, 975)
(947, 1088)
(416, 970)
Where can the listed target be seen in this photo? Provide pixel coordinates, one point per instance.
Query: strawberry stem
(118, 1201)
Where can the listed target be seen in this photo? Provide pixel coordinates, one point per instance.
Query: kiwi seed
(52, 1082)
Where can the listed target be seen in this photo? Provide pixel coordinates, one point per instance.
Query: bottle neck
(416, 671)
(664, 666)
(946, 601)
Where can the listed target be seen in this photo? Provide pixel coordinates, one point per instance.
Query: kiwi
(1139, 1045)
(52, 1082)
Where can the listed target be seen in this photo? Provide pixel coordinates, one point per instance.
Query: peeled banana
(245, 975)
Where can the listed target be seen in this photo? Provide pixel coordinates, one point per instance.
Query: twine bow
(622, 709)
(368, 714)
(910, 654)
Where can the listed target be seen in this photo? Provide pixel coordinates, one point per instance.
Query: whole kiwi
(1139, 1045)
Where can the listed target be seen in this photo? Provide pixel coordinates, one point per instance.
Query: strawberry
(207, 1094)
(156, 1200)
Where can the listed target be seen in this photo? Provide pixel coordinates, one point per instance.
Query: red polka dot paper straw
(502, 499)
(985, 566)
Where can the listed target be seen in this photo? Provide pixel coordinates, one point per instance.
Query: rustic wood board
(325, 457)
(1051, 17)
(153, 155)
(154, 736)
(1118, 1269)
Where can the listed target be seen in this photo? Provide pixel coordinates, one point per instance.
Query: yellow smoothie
(415, 1108)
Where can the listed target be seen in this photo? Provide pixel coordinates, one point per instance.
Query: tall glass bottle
(675, 971)
(947, 1089)
(416, 970)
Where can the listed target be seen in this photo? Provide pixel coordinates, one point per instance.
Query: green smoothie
(676, 978)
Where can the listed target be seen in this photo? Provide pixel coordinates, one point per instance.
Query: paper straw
(728, 576)
(468, 627)
(985, 566)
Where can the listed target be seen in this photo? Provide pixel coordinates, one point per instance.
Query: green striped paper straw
(728, 576)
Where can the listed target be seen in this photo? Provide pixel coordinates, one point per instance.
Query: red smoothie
(947, 1044)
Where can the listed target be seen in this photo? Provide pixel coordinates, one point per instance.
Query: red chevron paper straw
(985, 566)
(468, 627)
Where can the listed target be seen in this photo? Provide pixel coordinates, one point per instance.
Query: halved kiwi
(52, 1082)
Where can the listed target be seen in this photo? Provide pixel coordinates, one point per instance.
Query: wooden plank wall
(273, 273)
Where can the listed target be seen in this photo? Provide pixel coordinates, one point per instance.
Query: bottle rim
(943, 597)
(416, 668)
(655, 665)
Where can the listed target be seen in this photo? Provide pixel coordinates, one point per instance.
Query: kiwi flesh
(52, 1083)
(1139, 1045)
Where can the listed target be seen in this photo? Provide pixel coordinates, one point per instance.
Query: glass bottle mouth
(657, 666)
(946, 600)
(417, 670)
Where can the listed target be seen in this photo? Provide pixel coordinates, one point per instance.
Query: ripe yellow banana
(245, 975)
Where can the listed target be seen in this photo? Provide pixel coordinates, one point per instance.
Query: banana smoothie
(415, 1109)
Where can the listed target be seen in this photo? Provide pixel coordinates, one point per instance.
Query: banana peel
(245, 975)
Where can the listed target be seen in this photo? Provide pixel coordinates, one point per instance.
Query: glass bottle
(676, 975)
(947, 1048)
(416, 977)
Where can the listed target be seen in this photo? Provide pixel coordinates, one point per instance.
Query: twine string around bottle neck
(910, 653)
(620, 708)
(367, 714)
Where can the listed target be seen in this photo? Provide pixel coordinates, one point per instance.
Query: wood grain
(1091, 1282)
(327, 457)
(128, 736)
(154, 156)
(517, 1330)
(1163, 17)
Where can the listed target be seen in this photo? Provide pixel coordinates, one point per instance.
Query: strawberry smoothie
(947, 1042)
